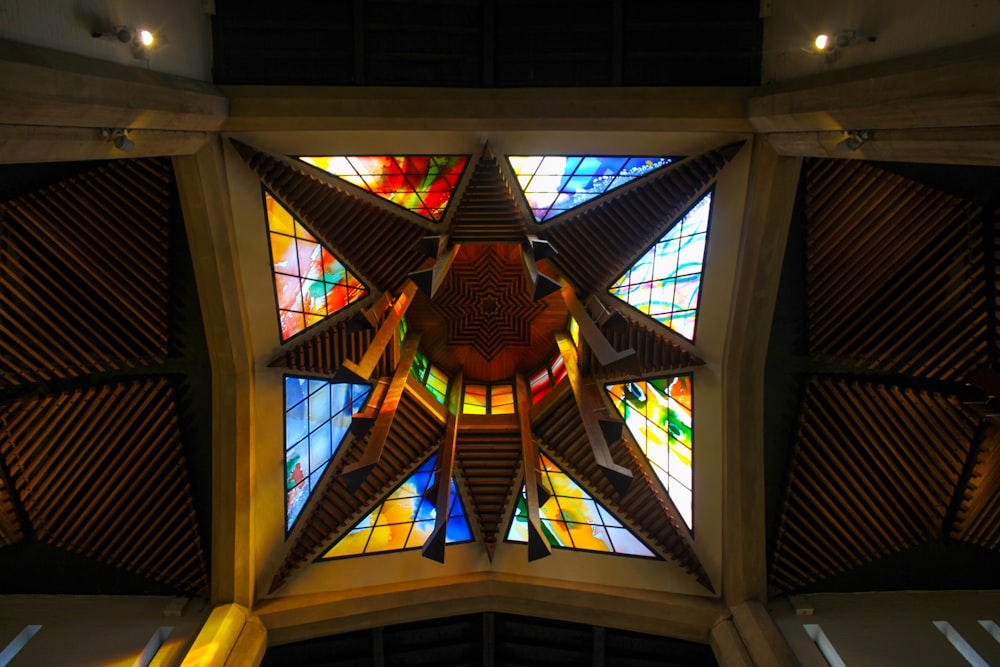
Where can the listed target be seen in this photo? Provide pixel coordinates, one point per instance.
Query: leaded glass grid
(429, 375)
(665, 282)
(423, 184)
(317, 417)
(659, 415)
(572, 519)
(310, 283)
(554, 184)
(404, 519)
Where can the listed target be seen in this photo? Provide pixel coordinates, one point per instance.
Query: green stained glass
(429, 375)
(310, 283)
(572, 519)
(423, 184)
(404, 519)
(554, 184)
(666, 281)
(659, 415)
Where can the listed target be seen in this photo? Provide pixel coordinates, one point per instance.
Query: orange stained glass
(404, 519)
(310, 283)
(571, 518)
(423, 184)
(474, 401)
(502, 399)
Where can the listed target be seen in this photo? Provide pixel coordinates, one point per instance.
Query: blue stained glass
(317, 417)
(404, 519)
(665, 281)
(554, 184)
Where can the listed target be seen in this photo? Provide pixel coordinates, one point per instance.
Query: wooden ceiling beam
(354, 475)
(589, 405)
(434, 546)
(538, 546)
(361, 372)
(606, 354)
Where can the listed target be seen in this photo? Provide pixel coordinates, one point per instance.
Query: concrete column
(763, 640)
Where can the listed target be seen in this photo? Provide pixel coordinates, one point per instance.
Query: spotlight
(821, 41)
(145, 37)
(828, 45)
(118, 137)
(853, 141)
(139, 39)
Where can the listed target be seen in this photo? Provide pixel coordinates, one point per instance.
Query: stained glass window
(544, 380)
(659, 416)
(317, 417)
(404, 520)
(497, 399)
(572, 519)
(665, 282)
(423, 184)
(554, 184)
(429, 375)
(309, 282)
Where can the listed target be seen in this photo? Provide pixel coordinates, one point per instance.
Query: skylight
(404, 519)
(423, 184)
(309, 282)
(572, 519)
(554, 184)
(317, 416)
(659, 415)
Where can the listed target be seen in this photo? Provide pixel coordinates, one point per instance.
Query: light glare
(821, 42)
(146, 37)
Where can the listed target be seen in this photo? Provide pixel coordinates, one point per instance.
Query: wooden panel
(490, 463)
(326, 351)
(644, 508)
(84, 273)
(628, 220)
(978, 517)
(873, 471)
(895, 273)
(375, 243)
(10, 526)
(333, 509)
(487, 212)
(102, 472)
(655, 352)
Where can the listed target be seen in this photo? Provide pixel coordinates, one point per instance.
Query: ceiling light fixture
(853, 140)
(828, 45)
(138, 39)
(118, 137)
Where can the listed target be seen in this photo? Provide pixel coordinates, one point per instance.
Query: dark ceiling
(488, 43)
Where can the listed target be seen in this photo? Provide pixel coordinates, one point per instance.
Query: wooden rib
(487, 211)
(656, 351)
(362, 371)
(645, 509)
(110, 480)
(901, 262)
(489, 461)
(99, 243)
(873, 471)
(355, 474)
(434, 546)
(11, 530)
(978, 518)
(538, 546)
(362, 233)
(590, 405)
(605, 352)
(641, 212)
(414, 436)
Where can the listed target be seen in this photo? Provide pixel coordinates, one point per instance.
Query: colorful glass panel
(423, 184)
(404, 519)
(474, 400)
(572, 519)
(659, 415)
(429, 375)
(544, 380)
(317, 417)
(501, 399)
(665, 282)
(309, 282)
(554, 184)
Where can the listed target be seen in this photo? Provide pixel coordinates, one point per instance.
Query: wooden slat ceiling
(96, 244)
(628, 220)
(97, 313)
(894, 448)
(489, 329)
